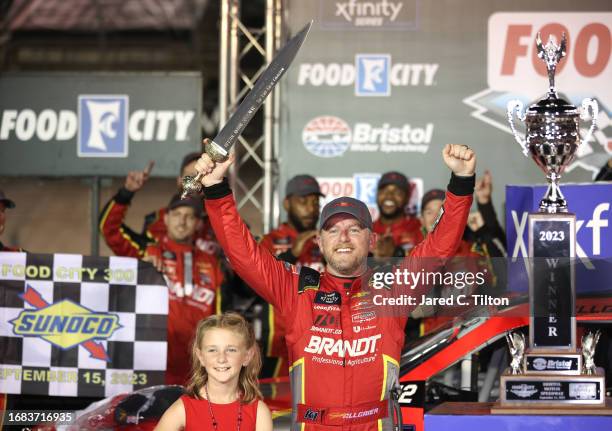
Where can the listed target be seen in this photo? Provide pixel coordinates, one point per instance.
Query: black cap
(396, 178)
(302, 185)
(191, 157)
(432, 195)
(6, 201)
(194, 202)
(346, 205)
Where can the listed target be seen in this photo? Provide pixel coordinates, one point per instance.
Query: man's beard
(399, 211)
(344, 267)
(297, 223)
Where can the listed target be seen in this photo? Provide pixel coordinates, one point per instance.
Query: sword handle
(193, 185)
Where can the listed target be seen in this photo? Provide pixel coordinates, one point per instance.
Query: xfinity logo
(341, 348)
(103, 126)
(382, 14)
(371, 74)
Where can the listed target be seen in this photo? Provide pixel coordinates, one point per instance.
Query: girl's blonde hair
(247, 381)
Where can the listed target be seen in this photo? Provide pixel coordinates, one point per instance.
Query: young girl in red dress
(223, 393)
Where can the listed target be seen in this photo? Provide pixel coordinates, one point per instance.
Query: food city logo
(514, 71)
(102, 124)
(330, 136)
(370, 75)
(65, 324)
(357, 14)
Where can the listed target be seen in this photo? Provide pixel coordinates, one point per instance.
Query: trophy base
(552, 362)
(546, 390)
(565, 410)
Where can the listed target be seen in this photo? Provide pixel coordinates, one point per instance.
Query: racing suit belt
(339, 416)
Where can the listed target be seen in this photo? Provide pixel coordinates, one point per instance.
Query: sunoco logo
(515, 72)
(65, 324)
(329, 136)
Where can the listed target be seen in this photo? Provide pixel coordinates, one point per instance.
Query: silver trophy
(552, 124)
(516, 345)
(589, 342)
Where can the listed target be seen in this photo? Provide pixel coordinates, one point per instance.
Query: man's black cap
(346, 205)
(431, 195)
(302, 185)
(6, 201)
(194, 202)
(191, 157)
(396, 178)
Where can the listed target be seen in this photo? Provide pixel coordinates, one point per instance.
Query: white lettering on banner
(513, 64)
(363, 13)
(336, 74)
(48, 124)
(342, 348)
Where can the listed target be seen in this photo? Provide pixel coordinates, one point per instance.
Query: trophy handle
(512, 107)
(586, 104)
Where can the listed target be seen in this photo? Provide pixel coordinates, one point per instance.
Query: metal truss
(254, 173)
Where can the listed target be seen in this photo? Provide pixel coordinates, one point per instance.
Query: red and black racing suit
(343, 354)
(406, 232)
(279, 242)
(194, 280)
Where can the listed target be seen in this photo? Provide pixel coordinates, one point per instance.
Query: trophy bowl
(552, 129)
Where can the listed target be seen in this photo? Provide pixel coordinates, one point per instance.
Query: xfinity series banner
(591, 204)
(75, 325)
(97, 124)
(385, 84)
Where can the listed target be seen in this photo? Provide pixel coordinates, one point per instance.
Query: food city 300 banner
(75, 325)
(385, 84)
(58, 124)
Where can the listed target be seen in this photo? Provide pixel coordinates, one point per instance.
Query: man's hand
(300, 242)
(136, 179)
(484, 188)
(213, 172)
(460, 159)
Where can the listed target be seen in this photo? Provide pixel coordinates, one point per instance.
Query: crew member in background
(154, 226)
(5, 203)
(397, 232)
(293, 242)
(193, 274)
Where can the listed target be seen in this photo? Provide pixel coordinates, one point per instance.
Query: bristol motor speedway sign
(97, 124)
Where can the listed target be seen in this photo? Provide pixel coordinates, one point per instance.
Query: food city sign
(97, 124)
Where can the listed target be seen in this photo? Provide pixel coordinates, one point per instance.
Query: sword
(218, 149)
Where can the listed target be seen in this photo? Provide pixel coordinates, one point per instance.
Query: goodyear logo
(65, 324)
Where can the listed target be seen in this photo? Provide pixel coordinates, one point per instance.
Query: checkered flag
(75, 325)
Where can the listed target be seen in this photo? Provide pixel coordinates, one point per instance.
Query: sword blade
(230, 132)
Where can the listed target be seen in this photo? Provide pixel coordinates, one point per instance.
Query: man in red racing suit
(344, 355)
(193, 274)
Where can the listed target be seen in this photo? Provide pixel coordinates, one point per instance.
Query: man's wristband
(218, 191)
(124, 196)
(461, 186)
